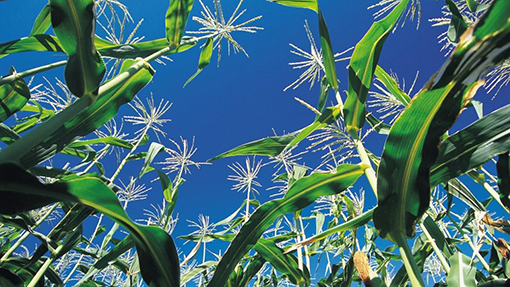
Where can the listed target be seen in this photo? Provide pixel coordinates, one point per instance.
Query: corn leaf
(309, 4)
(457, 24)
(472, 146)
(26, 269)
(155, 248)
(270, 146)
(100, 112)
(503, 168)
(362, 66)
(106, 140)
(41, 42)
(204, 59)
(301, 194)
(329, 116)
(10, 279)
(391, 84)
(251, 270)
(403, 184)
(175, 21)
(42, 22)
(327, 53)
(285, 263)
(13, 97)
(462, 272)
(73, 23)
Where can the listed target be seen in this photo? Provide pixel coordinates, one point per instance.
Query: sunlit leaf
(329, 116)
(176, 18)
(13, 97)
(156, 250)
(204, 60)
(42, 22)
(301, 194)
(472, 146)
(411, 149)
(362, 66)
(73, 23)
(462, 272)
(270, 146)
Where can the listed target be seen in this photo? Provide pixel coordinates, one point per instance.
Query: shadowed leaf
(13, 97)
(73, 23)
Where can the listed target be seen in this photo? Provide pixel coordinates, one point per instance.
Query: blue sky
(243, 99)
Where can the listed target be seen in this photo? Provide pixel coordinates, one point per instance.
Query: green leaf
(301, 194)
(10, 279)
(186, 277)
(329, 116)
(475, 6)
(93, 117)
(362, 66)
(204, 60)
(13, 96)
(456, 188)
(462, 272)
(351, 224)
(472, 146)
(285, 263)
(175, 21)
(73, 23)
(391, 84)
(154, 149)
(503, 168)
(156, 250)
(26, 269)
(42, 22)
(323, 97)
(457, 24)
(411, 149)
(106, 140)
(270, 146)
(327, 53)
(309, 4)
(251, 270)
(32, 43)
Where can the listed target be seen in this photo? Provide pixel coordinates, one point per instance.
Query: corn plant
(416, 179)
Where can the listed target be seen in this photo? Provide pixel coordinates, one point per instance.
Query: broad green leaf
(73, 23)
(309, 4)
(106, 140)
(472, 146)
(327, 53)
(155, 248)
(301, 194)
(93, 117)
(462, 272)
(329, 116)
(42, 22)
(391, 84)
(362, 66)
(285, 263)
(270, 146)
(411, 149)
(10, 279)
(204, 60)
(503, 168)
(438, 236)
(13, 96)
(457, 24)
(175, 21)
(32, 43)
